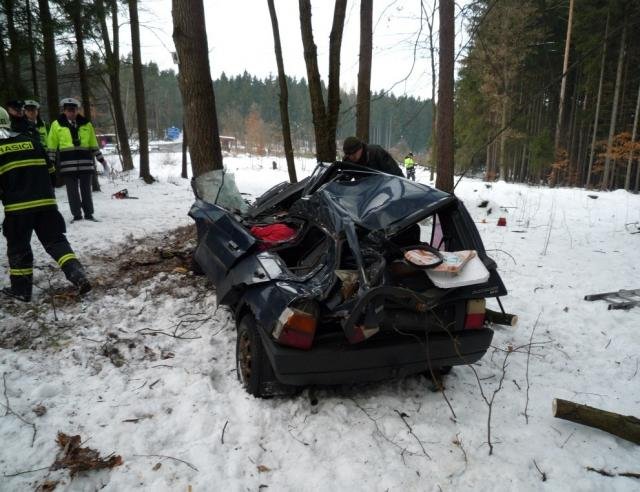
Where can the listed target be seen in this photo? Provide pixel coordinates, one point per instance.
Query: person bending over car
(369, 155)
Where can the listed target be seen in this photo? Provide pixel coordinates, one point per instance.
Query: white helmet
(4, 119)
(31, 102)
(69, 101)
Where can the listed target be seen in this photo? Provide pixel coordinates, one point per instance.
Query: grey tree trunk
(112, 60)
(432, 54)
(614, 112)
(284, 95)
(50, 59)
(627, 180)
(15, 50)
(32, 51)
(598, 99)
(141, 106)
(563, 84)
(325, 118)
(363, 102)
(444, 180)
(196, 87)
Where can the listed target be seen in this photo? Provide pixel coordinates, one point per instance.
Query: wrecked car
(323, 279)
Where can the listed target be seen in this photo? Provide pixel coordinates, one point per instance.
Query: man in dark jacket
(372, 156)
(30, 205)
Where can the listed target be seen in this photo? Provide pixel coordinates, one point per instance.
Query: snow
(179, 398)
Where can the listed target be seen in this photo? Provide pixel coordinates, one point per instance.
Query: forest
(519, 119)
(546, 91)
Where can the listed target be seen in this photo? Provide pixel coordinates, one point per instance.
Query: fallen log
(624, 426)
(501, 318)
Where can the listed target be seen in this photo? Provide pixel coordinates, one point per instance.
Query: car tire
(252, 363)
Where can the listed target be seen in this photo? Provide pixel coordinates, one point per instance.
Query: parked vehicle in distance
(323, 293)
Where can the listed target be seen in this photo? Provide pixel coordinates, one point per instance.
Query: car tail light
(475, 314)
(296, 328)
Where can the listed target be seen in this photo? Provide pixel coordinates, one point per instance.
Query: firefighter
(32, 113)
(410, 166)
(73, 137)
(30, 205)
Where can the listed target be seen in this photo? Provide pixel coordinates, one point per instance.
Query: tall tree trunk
(284, 95)
(50, 59)
(434, 122)
(4, 74)
(76, 13)
(598, 100)
(502, 161)
(444, 180)
(324, 118)
(185, 146)
(563, 84)
(627, 179)
(112, 59)
(201, 119)
(363, 102)
(612, 123)
(138, 81)
(32, 51)
(14, 51)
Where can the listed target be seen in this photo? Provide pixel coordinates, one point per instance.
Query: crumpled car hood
(374, 202)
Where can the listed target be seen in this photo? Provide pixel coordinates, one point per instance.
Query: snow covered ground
(106, 367)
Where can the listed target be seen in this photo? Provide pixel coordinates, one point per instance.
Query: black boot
(75, 274)
(21, 288)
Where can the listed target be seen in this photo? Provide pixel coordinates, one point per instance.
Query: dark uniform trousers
(50, 228)
(81, 201)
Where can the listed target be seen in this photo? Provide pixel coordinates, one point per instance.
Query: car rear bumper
(341, 362)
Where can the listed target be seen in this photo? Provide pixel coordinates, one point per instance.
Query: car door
(222, 240)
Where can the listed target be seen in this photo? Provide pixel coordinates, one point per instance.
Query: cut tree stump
(624, 426)
(501, 318)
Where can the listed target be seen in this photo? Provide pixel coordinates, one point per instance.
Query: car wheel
(252, 363)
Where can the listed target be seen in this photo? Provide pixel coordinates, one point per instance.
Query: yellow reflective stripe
(63, 259)
(25, 163)
(26, 205)
(19, 272)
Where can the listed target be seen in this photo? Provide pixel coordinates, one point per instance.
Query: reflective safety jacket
(25, 176)
(41, 128)
(408, 162)
(77, 144)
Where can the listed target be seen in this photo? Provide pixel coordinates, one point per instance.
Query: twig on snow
(25, 472)
(526, 405)
(9, 410)
(458, 442)
(223, 429)
(404, 416)
(543, 475)
(567, 439)
(168, 457)
(606, 473)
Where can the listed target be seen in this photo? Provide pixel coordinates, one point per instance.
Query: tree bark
(112, 60)
(196, 87)
(598, 99)
(624, 426)
(324, 118)
(284, 95)
(627, 180)
(434, 123)
(614, 112)
(444, 180)
(138, 82)
(14, 51)
(32, 51)
(185, 148)
(563, 84)
(50, 59)
(363, 101)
